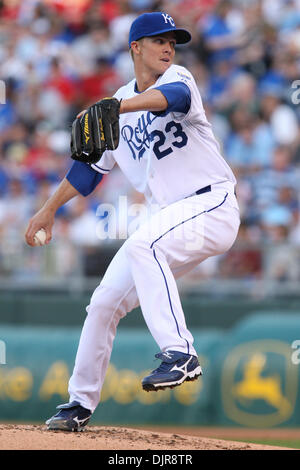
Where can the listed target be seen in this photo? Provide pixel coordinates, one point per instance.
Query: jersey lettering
(180, 141)
(159, 143)
(138, 138)
(178, 134)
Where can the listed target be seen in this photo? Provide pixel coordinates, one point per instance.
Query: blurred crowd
(59, 56)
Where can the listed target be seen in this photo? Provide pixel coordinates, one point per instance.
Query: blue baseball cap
(152, 24)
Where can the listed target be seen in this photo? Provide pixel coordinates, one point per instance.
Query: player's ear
(135, 48)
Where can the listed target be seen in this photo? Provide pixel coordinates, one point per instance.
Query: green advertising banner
(39, 362)
(251, 376)
(256, 373)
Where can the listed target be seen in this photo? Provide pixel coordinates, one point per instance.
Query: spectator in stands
(103, 81)
(280, 116)
(87, 48)
(266, 185)
(249, 149)
(281, 264)
(221, 39)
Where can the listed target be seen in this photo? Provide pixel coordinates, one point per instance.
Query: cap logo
(169, 19)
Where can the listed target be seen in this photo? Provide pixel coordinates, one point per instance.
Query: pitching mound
(34, 437)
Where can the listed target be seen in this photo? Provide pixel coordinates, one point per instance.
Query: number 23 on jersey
(178, 139)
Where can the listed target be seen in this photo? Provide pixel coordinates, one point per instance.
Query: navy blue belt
(206, 189)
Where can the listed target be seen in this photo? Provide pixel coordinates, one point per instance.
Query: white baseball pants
(143, 272)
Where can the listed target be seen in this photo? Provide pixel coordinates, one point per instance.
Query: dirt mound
(35, 437)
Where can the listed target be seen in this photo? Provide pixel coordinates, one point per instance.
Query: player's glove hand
(96, 130)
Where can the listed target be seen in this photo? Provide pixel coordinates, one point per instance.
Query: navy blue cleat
(71, 417)
(176, 368)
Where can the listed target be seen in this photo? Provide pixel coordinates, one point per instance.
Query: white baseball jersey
(167, 157)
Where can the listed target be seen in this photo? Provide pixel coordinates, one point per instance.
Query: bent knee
(135, 244)
(108, 301)
(230, 230)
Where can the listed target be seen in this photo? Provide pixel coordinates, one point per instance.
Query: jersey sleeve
(180, 75)
(83, 178)
(105, 164)
(178, 96)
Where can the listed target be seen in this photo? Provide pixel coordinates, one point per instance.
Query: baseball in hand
(40, 237)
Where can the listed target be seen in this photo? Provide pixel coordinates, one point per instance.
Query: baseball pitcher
(155, 129)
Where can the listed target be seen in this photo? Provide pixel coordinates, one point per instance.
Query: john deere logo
(259, 383)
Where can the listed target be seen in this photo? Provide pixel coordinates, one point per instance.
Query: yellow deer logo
(254, 386)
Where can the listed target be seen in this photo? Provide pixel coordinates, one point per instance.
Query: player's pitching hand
(41, 220)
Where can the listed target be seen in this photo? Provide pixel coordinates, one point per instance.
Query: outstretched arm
(44, 218)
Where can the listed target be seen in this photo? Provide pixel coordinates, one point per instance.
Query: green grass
(291, 443)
